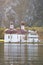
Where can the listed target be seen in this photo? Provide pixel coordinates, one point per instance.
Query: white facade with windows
(10, 38)
(21, 38)
(32, 36)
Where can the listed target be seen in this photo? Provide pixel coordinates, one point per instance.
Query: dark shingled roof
(21, 31)
(14, 31)
(10, 31)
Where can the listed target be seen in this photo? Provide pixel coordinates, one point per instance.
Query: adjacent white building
(32, 36)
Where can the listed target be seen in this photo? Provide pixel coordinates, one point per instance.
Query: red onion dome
(22, 23)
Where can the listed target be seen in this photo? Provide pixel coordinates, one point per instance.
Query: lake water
(21, 54)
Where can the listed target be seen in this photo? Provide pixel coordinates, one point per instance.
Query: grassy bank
(1, 40)
(40, 29)
(2, 33)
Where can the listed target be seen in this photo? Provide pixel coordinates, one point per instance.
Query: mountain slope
(30, 11)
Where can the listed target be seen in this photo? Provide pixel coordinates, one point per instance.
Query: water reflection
(32, 51)
(14, 53)
(20, 53)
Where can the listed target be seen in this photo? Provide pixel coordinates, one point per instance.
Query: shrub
(2, 33)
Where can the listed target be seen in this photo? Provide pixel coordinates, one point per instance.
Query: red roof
(10, 31)
(21, 31)
(14, 31)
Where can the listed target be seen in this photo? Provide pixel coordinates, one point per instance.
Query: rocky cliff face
(30, 11)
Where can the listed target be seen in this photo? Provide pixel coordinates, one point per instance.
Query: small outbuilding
(32, 36)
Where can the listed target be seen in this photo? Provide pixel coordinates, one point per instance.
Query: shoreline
(2, 40)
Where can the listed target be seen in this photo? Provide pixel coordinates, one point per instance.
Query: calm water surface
(21, 54)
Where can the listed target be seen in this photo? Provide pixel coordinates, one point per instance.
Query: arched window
(8, 37)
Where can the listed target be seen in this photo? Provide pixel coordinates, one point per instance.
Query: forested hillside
(29, 11)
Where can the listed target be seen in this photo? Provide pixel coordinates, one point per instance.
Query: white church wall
(10, 37)
(14, 37)
(21, 38)
(6, 37)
